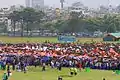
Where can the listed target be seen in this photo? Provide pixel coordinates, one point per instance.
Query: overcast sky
(55, 3)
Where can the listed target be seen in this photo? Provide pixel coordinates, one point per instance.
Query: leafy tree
(3, 27)
(14, 19)
(32, 17)
(29, 18)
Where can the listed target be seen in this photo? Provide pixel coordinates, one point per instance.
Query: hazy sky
(55, 3)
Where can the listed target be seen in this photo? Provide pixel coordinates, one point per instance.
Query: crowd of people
(94, 55)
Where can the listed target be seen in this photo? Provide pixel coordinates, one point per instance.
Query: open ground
(42, 39)
(52, 74)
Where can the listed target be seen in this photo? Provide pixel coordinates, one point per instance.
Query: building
(36, 4)
(4, 13)
(112, 37)
(28, 3)
(77, 7)
(80, 9)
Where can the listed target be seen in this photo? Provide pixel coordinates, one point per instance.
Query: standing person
(3, 65)
(71, 71)
(13, 65)
(8, 69)
(118, 66)
(18, 67)
(24, 67)
(75, 71)
(70, 63)
(5, 77)
(21, 65)
(35, 63)
(43, 67)
(52, 64)
(80, 66)
(60, 66)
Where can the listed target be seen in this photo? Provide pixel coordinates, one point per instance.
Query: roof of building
(117, 35)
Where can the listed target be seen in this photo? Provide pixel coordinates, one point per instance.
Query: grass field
(52, 74)
(42, 39)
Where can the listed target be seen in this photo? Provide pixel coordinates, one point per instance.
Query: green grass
(52, 74)
(25, 39)
(42, 39)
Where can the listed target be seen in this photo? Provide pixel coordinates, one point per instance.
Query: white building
(77, 7)
(4, 12)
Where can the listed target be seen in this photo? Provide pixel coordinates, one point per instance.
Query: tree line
(29, 19)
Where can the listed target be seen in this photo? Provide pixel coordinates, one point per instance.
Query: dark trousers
(43, 68)
(13, 67)
(59, 68)
(24, 70)
(8, 72)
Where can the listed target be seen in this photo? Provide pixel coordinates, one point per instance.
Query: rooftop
(117, 35)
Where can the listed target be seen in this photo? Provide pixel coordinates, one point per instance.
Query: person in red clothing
(80, 66)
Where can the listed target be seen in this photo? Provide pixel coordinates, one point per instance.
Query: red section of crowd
(92, 50)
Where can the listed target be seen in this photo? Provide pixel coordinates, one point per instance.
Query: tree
(61, 26)
(3, 27)
(73, 23)
(29, 19)
(14, 17)
(110, 23)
